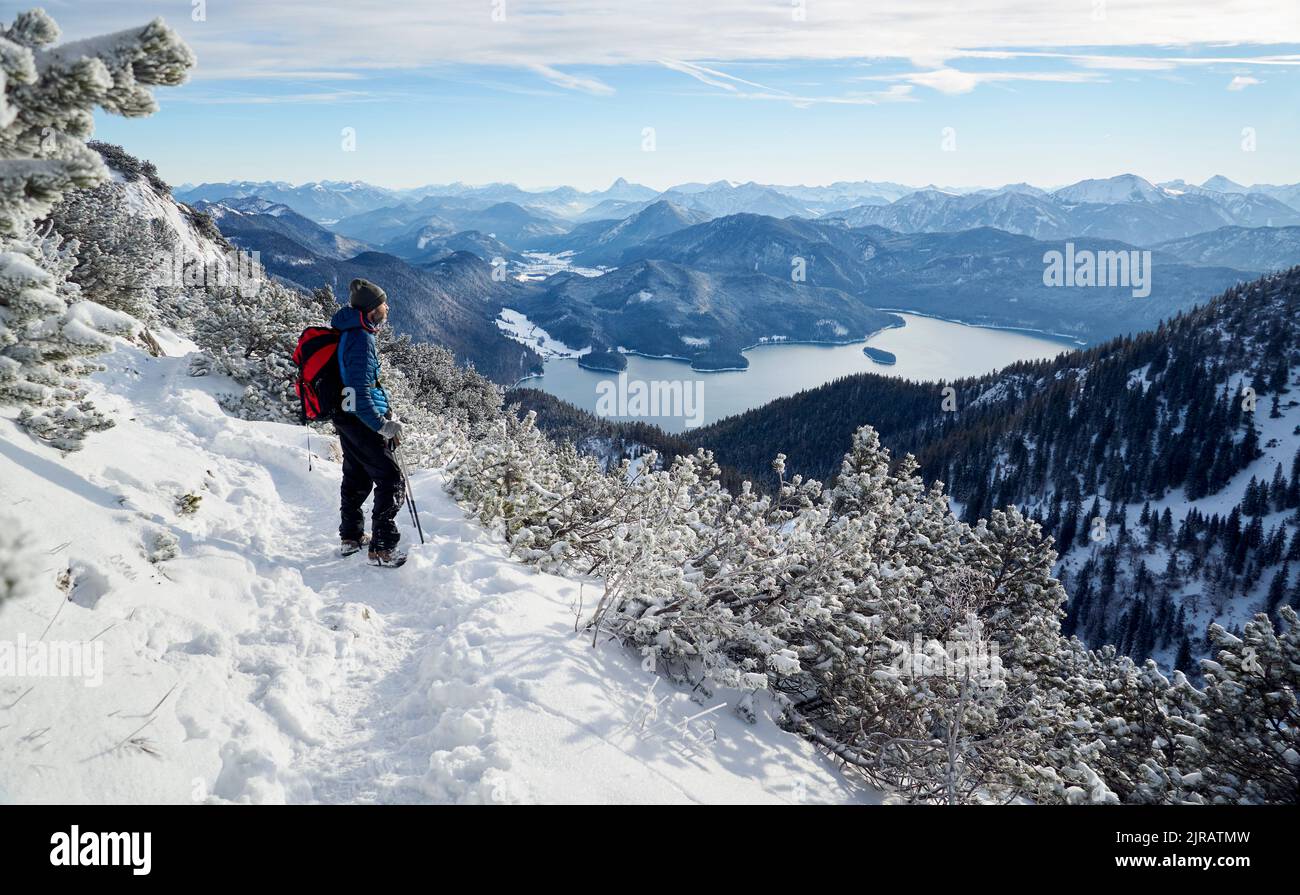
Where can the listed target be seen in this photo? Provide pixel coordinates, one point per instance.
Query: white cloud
(953, 81)
(732, 87)
(1241, 82)
(316, 42)
(256, 38)
(572, 82)
(266, 99)
(713, 77)
(1130, 62)
(895, 93)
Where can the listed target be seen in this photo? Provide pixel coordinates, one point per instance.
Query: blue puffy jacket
(359, 364)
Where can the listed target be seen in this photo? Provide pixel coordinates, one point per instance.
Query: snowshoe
(390, 558)
(348, 546)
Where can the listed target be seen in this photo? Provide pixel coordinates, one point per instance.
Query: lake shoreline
(1040, 333)
(565, 352)
(776, 342)
(924, 349)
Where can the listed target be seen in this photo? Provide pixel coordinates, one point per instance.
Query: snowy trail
(259, 666)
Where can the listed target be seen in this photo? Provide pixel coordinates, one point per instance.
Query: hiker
(367, 430)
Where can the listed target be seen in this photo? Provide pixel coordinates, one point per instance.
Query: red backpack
(319, 382)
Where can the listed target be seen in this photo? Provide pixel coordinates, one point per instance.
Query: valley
(704, 271)
(755, 320)
(924, 349)
(756, 446)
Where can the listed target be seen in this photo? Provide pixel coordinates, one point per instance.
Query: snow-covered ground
(540, 265)
(258, 666)
(1279, 439)
(518, 327)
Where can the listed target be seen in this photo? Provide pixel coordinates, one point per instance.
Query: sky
(546, 92)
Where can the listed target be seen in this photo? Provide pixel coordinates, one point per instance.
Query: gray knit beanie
(365, 295)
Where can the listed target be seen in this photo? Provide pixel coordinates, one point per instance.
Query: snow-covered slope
(1112, 190)
(258, 666)
(1279, 440)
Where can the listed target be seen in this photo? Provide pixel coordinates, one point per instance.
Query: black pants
(368, 463)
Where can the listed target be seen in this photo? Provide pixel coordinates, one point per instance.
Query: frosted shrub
(48, 337)
(249, 334)
(119, 253)
(162, 546)
(923, 651)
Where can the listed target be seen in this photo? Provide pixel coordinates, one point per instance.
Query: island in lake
(716, 360)
(603, 361)
(880, 356)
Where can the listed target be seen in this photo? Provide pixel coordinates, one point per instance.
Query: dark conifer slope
(1172, 502)
(1173, 505)
(1081, 410)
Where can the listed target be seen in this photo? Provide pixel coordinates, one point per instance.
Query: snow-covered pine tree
(120, 255)
(248, 330)
(427, 377)
(47, 329)
(1249, 725)
(48, 333)
(813, 594)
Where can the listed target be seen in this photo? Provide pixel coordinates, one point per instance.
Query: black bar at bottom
(221, 844)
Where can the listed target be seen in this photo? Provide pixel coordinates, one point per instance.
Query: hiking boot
(392, 557)
(349, 546)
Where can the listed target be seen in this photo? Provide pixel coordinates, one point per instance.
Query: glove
(391, 431)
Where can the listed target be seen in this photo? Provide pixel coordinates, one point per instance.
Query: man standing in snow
(367, 430)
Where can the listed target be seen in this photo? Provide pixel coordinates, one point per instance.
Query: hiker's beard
(378, 316)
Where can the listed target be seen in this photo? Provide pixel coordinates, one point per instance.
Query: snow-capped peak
(1221, 184)
(1112, 191)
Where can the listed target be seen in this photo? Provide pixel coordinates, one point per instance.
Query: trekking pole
(410, 495)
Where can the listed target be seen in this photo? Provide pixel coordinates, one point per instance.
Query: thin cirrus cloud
(572, 82)
(742, 88)
(330, 97)
(953, 81)
(1129, 62)
(1241, 82)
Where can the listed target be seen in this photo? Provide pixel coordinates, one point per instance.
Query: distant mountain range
(605, 227)
(430, 243)
(1258, 205)
(1245, 248)
(240, 217)
(516, 225)
(451, 299)
(661, 308)
(984, 276)
(1127, 208)
(686, 276)
(603, 242)
(330, 201)
(324, 201)
(1288, 193)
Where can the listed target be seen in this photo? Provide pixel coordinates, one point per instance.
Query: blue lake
(926, 349)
